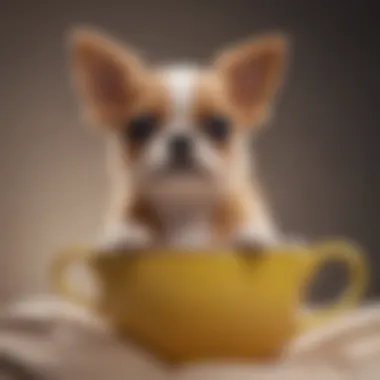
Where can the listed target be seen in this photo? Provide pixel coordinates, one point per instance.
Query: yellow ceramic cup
(204, 306)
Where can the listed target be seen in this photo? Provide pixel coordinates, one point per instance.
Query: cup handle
(59, 270)
(358, 279)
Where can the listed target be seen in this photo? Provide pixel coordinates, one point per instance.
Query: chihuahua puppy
(179, 142)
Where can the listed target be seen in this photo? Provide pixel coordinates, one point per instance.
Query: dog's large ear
(107, 76)
(252, 73)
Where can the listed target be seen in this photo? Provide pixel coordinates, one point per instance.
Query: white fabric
(57, 340)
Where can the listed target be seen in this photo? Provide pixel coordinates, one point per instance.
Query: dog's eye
(141, 128)
(217, 127)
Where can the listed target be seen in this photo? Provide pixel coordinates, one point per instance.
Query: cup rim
(165, 254)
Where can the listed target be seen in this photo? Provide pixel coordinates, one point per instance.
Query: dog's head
(181, 124)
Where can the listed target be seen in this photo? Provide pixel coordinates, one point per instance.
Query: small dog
(179, 141)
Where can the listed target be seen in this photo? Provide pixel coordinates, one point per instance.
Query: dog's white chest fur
(187, 227)
(186, 214)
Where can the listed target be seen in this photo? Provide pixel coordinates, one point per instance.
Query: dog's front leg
(256, 230)
(125, 236)
(256, 235)
(259, 233)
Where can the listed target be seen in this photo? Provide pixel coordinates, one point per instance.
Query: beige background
(317, 160)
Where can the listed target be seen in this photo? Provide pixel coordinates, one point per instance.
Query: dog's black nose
(180, 150)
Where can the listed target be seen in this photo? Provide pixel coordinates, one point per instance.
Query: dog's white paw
(255, 242)
(126, 239)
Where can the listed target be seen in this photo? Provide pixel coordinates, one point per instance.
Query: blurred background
(317, 159)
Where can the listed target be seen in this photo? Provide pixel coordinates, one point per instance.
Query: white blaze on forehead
(181, 83)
